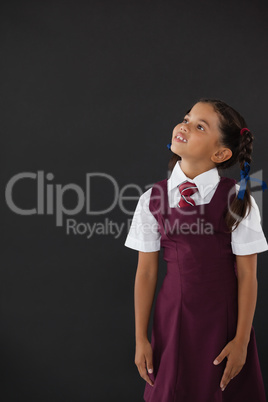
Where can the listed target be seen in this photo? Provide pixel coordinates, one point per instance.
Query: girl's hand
(144, 359)
(236, 353)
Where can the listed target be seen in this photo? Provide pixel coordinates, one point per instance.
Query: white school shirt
(143, 235)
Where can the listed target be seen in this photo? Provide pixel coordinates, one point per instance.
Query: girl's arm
(145, 285)
(144, 290)
(247, 295)
(236, 349)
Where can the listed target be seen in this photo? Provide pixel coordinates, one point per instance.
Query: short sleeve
(143, 234)
(248, 237)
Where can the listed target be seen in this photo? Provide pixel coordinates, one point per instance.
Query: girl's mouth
(178, 138)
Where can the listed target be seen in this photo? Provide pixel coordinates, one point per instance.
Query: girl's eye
(199, 125)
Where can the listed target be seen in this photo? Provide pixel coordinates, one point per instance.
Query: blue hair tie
(169, 145)
(244, 174)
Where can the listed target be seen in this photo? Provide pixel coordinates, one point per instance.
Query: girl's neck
(192, 170)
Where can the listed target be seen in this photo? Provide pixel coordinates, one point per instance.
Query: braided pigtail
(241, 205)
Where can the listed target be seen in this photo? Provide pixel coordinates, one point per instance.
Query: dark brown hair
(230, 124)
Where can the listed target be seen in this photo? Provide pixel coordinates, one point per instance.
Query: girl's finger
(226, 378)
(146, 377)
(234, 374)
(231, 375)
(143, 373)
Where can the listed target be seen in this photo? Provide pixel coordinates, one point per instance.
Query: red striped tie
(186, 190)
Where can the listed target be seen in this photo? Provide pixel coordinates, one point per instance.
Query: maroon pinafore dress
(196, 309)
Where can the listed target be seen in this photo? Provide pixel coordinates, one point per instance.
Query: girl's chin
(176, 152)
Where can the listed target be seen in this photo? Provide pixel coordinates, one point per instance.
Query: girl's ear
(222, 155)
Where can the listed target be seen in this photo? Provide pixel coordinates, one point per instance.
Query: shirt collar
(205, 181)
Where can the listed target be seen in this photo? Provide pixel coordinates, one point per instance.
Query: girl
(209, 227)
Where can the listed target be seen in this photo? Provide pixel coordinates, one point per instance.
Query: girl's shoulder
(159, 185)
(154, 195)
(228, 187)
(229, 180)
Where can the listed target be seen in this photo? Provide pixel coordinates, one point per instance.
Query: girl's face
(200, 128)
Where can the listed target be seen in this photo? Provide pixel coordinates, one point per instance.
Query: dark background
(98, 86)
